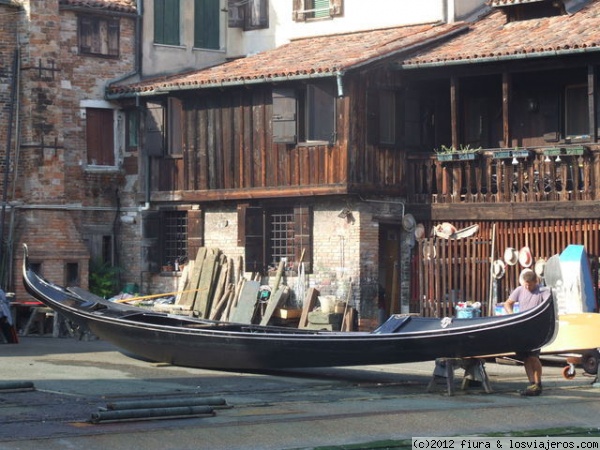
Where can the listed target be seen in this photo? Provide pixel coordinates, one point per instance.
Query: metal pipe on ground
(152, 413)
(16, 386)
(166, 403)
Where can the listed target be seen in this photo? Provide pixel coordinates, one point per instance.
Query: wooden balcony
(549, 174)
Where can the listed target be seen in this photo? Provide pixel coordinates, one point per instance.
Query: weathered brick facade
(62, 207)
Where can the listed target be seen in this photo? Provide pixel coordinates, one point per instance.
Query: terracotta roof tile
(492, 37)
(301, 58)
(126, 6)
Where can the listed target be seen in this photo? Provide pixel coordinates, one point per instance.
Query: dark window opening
(174, 236)
(576, 111)
(72, 274)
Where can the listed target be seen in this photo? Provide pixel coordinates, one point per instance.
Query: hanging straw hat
(525, 258)
(539, 267)
(408, 222)
(429, 250)
(420, 231)
(498, 267)
(511, 257)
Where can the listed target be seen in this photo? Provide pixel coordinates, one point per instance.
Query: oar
(164, 294)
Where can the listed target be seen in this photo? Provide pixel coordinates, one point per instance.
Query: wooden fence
(454, 270)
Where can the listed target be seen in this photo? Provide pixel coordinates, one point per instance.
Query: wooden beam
(593, 129)
(506, 96)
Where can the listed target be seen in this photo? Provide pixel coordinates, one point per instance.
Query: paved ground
(285, 410)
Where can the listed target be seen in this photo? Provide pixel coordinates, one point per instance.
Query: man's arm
(508, 306)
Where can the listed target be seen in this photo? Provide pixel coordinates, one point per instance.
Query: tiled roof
(511, 2)
(125, 6)
(302, 58)
(491, 38)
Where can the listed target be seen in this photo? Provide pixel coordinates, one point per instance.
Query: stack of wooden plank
(210, 287)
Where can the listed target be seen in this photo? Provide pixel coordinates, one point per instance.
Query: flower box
(468, 156)
(503, 154)
(574, 151)
(445, 156)
(552, 151)
(520, 153)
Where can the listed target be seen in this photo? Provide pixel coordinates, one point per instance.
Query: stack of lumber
(211, 288)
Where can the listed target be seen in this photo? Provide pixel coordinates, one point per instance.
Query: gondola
(192, 342)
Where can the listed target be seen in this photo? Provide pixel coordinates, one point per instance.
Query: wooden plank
(187, 298)
(203, 299)
(246, 305)
(274, 301)
(309, 303)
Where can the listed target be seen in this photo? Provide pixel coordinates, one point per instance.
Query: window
(132, 127)
(274, 233)
(99, 36)
(576, 111)
(72, 274)
(206, 24)
(383, 117)
(170, 234)
(166, 22)
(100, 136)
(248, 14)
(158, 138)
(317, 9)
(174, 236)
(306, 115)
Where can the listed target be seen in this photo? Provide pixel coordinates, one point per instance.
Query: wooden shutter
(195, 232)
(100, 136)
(235, 14)
(284, 116)
(256, 14)
(206, 24)
(150, 241)
(298, 14)
(85, 34)
(113, 37)
(337, 8)
(175, 130)
(154, 130)
(303, 236)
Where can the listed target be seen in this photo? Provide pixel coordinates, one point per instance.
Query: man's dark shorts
(523, 355)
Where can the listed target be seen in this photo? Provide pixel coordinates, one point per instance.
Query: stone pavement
(291, 409)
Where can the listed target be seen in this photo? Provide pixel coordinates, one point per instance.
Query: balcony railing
(567, 173)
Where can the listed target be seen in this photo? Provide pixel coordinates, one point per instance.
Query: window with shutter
(166, 22)
(98, 36)
(304, 115)
(271, 234)
(284, 116)
(99, 124)
(154, 129)
(317, 9)
(206, 24)
(175, 130)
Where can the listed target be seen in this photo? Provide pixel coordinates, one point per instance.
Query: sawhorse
(474, 371)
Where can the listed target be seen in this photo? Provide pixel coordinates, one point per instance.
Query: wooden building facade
(310, 153)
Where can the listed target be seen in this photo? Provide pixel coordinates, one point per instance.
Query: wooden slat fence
(449, 271)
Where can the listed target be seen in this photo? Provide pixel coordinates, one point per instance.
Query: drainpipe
(340, 85)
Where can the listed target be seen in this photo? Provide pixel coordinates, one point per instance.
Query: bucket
(467, 312)
(327, 303)
(499, 309)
